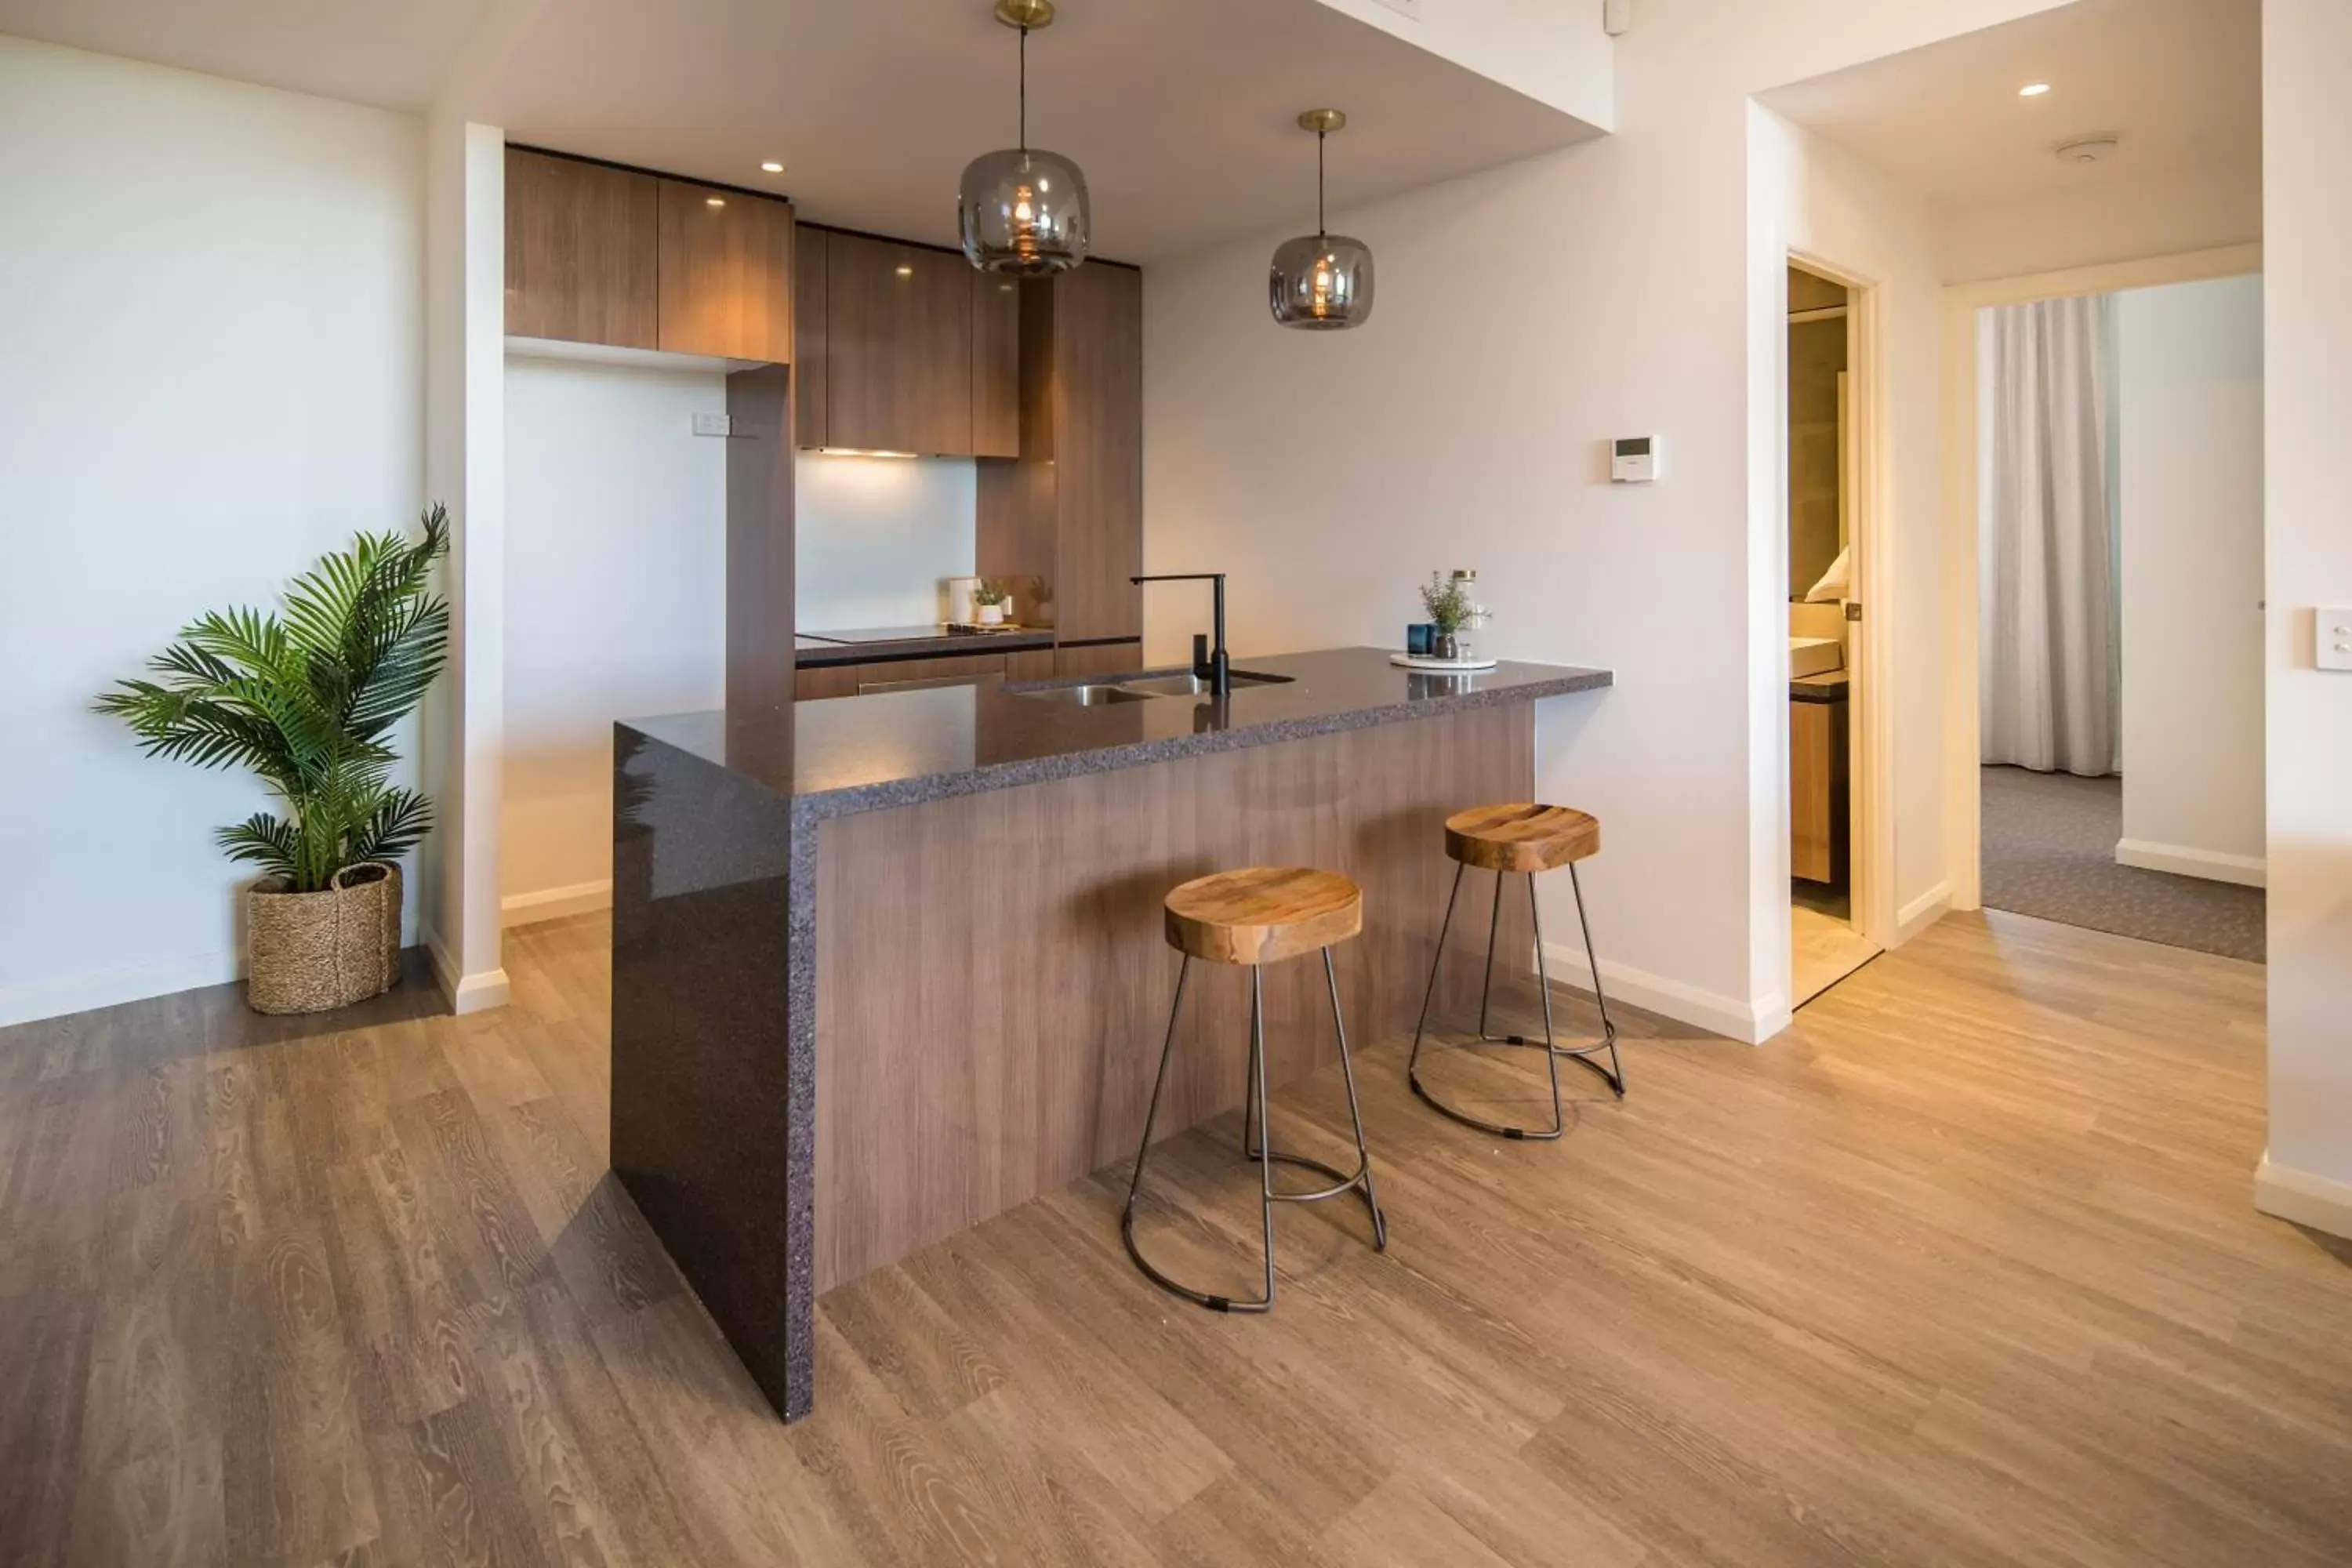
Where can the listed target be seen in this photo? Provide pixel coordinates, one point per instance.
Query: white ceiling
(1182, 113)
(391, 53)
(2178, 81)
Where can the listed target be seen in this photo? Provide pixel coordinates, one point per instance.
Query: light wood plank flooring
(1960, 1270)
(1826, 950)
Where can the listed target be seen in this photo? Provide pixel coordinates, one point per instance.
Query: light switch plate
(713, 425)
(2332, 638)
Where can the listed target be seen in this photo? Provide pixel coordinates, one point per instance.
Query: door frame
(1963, 744)
(1870, 742)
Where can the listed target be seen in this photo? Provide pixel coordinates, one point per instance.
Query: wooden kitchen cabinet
(1098, 658)
(726, 273)
(810, 250)
(581, 251)
(1070, 509)
(814, 681)
(898, 347)
(995, 365)
(629, 259)
(1098, 451)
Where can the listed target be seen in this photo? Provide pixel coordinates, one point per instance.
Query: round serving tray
(1446, 666)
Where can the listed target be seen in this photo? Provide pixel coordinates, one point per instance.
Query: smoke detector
(2087, 149)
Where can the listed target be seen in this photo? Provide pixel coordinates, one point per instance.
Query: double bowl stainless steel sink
(1143, 689)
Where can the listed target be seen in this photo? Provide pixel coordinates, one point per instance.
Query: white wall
(616, 602)
(2307, 474)
(2103, 220)
(465, 465)
(874, 536)
(210, 373)
(2188, 361)
(1526, 314)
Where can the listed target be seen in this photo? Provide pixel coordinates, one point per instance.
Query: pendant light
(1023, 210)
(1321, 281)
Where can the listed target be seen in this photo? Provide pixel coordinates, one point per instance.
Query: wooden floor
(1959, 1270)
(1826, 950)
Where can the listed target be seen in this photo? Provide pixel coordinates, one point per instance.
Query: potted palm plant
(308, 700)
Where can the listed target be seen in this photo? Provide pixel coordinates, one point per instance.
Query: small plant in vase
(991, 602)
(1446, 601)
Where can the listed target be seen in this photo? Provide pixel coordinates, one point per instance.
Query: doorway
(1827, 507)
(2120, 611)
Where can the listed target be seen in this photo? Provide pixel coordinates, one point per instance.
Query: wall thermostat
(1636, 459)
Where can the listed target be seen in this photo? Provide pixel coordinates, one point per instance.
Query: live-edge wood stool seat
(1255, 917)
(1521, 838)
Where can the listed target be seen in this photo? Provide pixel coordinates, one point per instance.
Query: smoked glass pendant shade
(1321, 281)
(1023, 210)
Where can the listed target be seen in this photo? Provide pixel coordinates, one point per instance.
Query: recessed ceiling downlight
(2033, 89)
(2087, 149)
(772, 167)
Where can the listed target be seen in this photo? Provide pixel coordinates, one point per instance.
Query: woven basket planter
(305, 952)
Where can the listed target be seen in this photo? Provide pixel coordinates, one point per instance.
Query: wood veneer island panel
(992, 979)
(885, 967)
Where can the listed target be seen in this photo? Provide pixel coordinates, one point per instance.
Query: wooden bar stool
(1529, 838)
(1259, 916)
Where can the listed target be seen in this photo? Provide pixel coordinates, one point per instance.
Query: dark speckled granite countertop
(867, 753)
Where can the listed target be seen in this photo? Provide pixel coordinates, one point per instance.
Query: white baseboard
(1751, 1023)
(2245, 870)
(36, 999)
(1922, 913)
(554, 903)
(2284, 1192)
(477, 992)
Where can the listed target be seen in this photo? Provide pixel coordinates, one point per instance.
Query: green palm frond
(305, 700)
(264, 840)
(401, 820)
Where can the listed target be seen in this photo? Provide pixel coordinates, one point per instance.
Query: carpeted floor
(2050, 851)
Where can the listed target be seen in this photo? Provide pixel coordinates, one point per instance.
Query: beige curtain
(2051, 676)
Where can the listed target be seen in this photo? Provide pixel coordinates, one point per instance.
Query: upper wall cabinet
(581, 252)
(897, 347)
(810, 388)
(726, 274)
(600, 254)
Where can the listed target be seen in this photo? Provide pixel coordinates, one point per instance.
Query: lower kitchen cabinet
(813, 682)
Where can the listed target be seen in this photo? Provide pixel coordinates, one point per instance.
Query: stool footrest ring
(1254, 1148)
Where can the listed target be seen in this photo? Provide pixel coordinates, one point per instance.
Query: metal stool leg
(1355, 1112)
(1256, 1106)
(1615, 1071)
(1443, 927)
(1143, 1155)
(1612, 1074)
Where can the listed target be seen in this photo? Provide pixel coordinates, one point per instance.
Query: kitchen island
(885, 967)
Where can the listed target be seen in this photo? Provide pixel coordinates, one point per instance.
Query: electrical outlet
(713, 425)
(2331, 639)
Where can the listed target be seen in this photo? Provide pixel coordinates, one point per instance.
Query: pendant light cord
(1024, 89)
(1319, 229)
